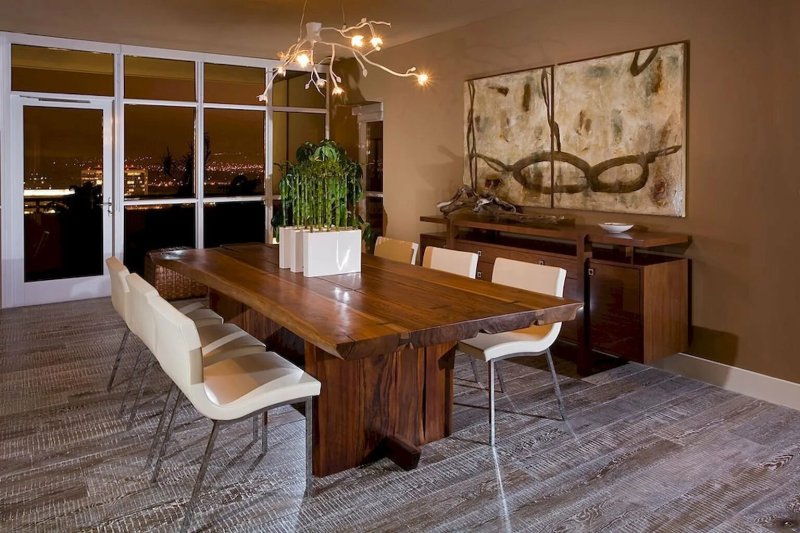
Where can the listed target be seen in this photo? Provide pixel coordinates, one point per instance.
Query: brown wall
(743, 188)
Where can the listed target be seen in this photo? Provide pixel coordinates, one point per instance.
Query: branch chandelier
(349, 39)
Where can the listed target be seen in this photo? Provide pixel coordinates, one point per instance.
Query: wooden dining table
(382, 341)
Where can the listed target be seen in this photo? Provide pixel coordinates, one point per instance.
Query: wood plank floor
(650, 452)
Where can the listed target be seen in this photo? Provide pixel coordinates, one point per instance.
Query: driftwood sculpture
(466, 198)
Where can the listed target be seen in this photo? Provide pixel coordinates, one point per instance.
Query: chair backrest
(140, 313)
(453, 261)
(119, 285)
(396, 250)
(529, 276)
(178, 348)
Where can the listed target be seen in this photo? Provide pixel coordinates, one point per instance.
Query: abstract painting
(605, 134)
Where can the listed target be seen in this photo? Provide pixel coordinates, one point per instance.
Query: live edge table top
(385, 307)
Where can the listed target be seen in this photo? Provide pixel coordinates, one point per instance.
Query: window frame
(119, 52)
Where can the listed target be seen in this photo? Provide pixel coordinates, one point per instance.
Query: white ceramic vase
(285, 246)
(331, 252)
(296, 259)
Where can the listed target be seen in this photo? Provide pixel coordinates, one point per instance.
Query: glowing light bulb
(303, 60)
(337, 91)
(376, 42)
(281, 71)
(320, 83)
(423, 79)
(357, 41)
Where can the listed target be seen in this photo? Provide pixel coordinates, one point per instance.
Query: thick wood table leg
(382, 406)
(403, 453)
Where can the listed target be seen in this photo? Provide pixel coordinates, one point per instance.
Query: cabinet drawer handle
(591, 272)
(541, 261)
(479, 275)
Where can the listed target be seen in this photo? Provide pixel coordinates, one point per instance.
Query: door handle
(109, 206)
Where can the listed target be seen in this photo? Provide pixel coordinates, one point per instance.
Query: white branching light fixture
(348, 38)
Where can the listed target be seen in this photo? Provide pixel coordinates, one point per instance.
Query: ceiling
(410, 19)
(259, 28)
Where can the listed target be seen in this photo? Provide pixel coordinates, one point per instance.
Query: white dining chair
(464, 264)
(118, 273)
(396, 250)
(453, 261)
(533, 340)
(218, 340)
(226, 391)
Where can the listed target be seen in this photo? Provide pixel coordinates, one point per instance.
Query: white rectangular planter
(285, 246)
(296, 259)
(331, 252)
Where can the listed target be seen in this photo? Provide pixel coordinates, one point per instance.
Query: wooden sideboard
(634, 285)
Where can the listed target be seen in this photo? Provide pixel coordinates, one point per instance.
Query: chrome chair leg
(309, 446)
(562, 409)
(500, 379)
(187, 517)
(497, 371)
(163, 449)
(474, 369)
(264, 444)
(135, 408)
(255, 428)
(161, 421)
(118, 359)
(490, 365)
(130, 380)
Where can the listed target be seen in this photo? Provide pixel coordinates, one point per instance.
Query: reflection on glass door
(62, 162)
(63, 174)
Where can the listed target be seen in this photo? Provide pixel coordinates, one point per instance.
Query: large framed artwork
(604, 134)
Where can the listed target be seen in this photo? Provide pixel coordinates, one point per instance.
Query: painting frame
(642, 170)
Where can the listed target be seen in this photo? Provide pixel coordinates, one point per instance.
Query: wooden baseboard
(761, 386)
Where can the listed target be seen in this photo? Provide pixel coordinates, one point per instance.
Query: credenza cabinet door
(615, 310)
(639, 312)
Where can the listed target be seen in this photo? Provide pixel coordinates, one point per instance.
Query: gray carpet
(654, 452)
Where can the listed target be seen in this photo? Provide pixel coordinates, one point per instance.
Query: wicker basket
(170, 284)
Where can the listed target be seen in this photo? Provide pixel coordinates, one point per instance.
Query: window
(289, 132)
(147, 78)
(235, 162)
(290, 91)
(232, 222)
(167, 199)
(159, 152)
(227, 84)
(148, 227)
(51, 70)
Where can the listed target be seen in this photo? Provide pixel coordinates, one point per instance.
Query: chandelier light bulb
(320, 83)
(423, 78)
(357, 41)
(281, 71)
(337, 91)
(376, 42)
(303, 60)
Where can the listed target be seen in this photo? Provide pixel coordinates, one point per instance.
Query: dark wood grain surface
(385, 307)
(636, 237)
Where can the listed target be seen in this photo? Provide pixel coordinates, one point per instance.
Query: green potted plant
(320, 231)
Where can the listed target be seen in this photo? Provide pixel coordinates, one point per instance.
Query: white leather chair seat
(533, 340)
(221, 341)
(200, 314)
(245, 384)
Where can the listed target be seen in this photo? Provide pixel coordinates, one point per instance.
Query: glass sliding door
(61, 203)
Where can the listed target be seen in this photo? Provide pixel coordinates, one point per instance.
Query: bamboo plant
(320, 192)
